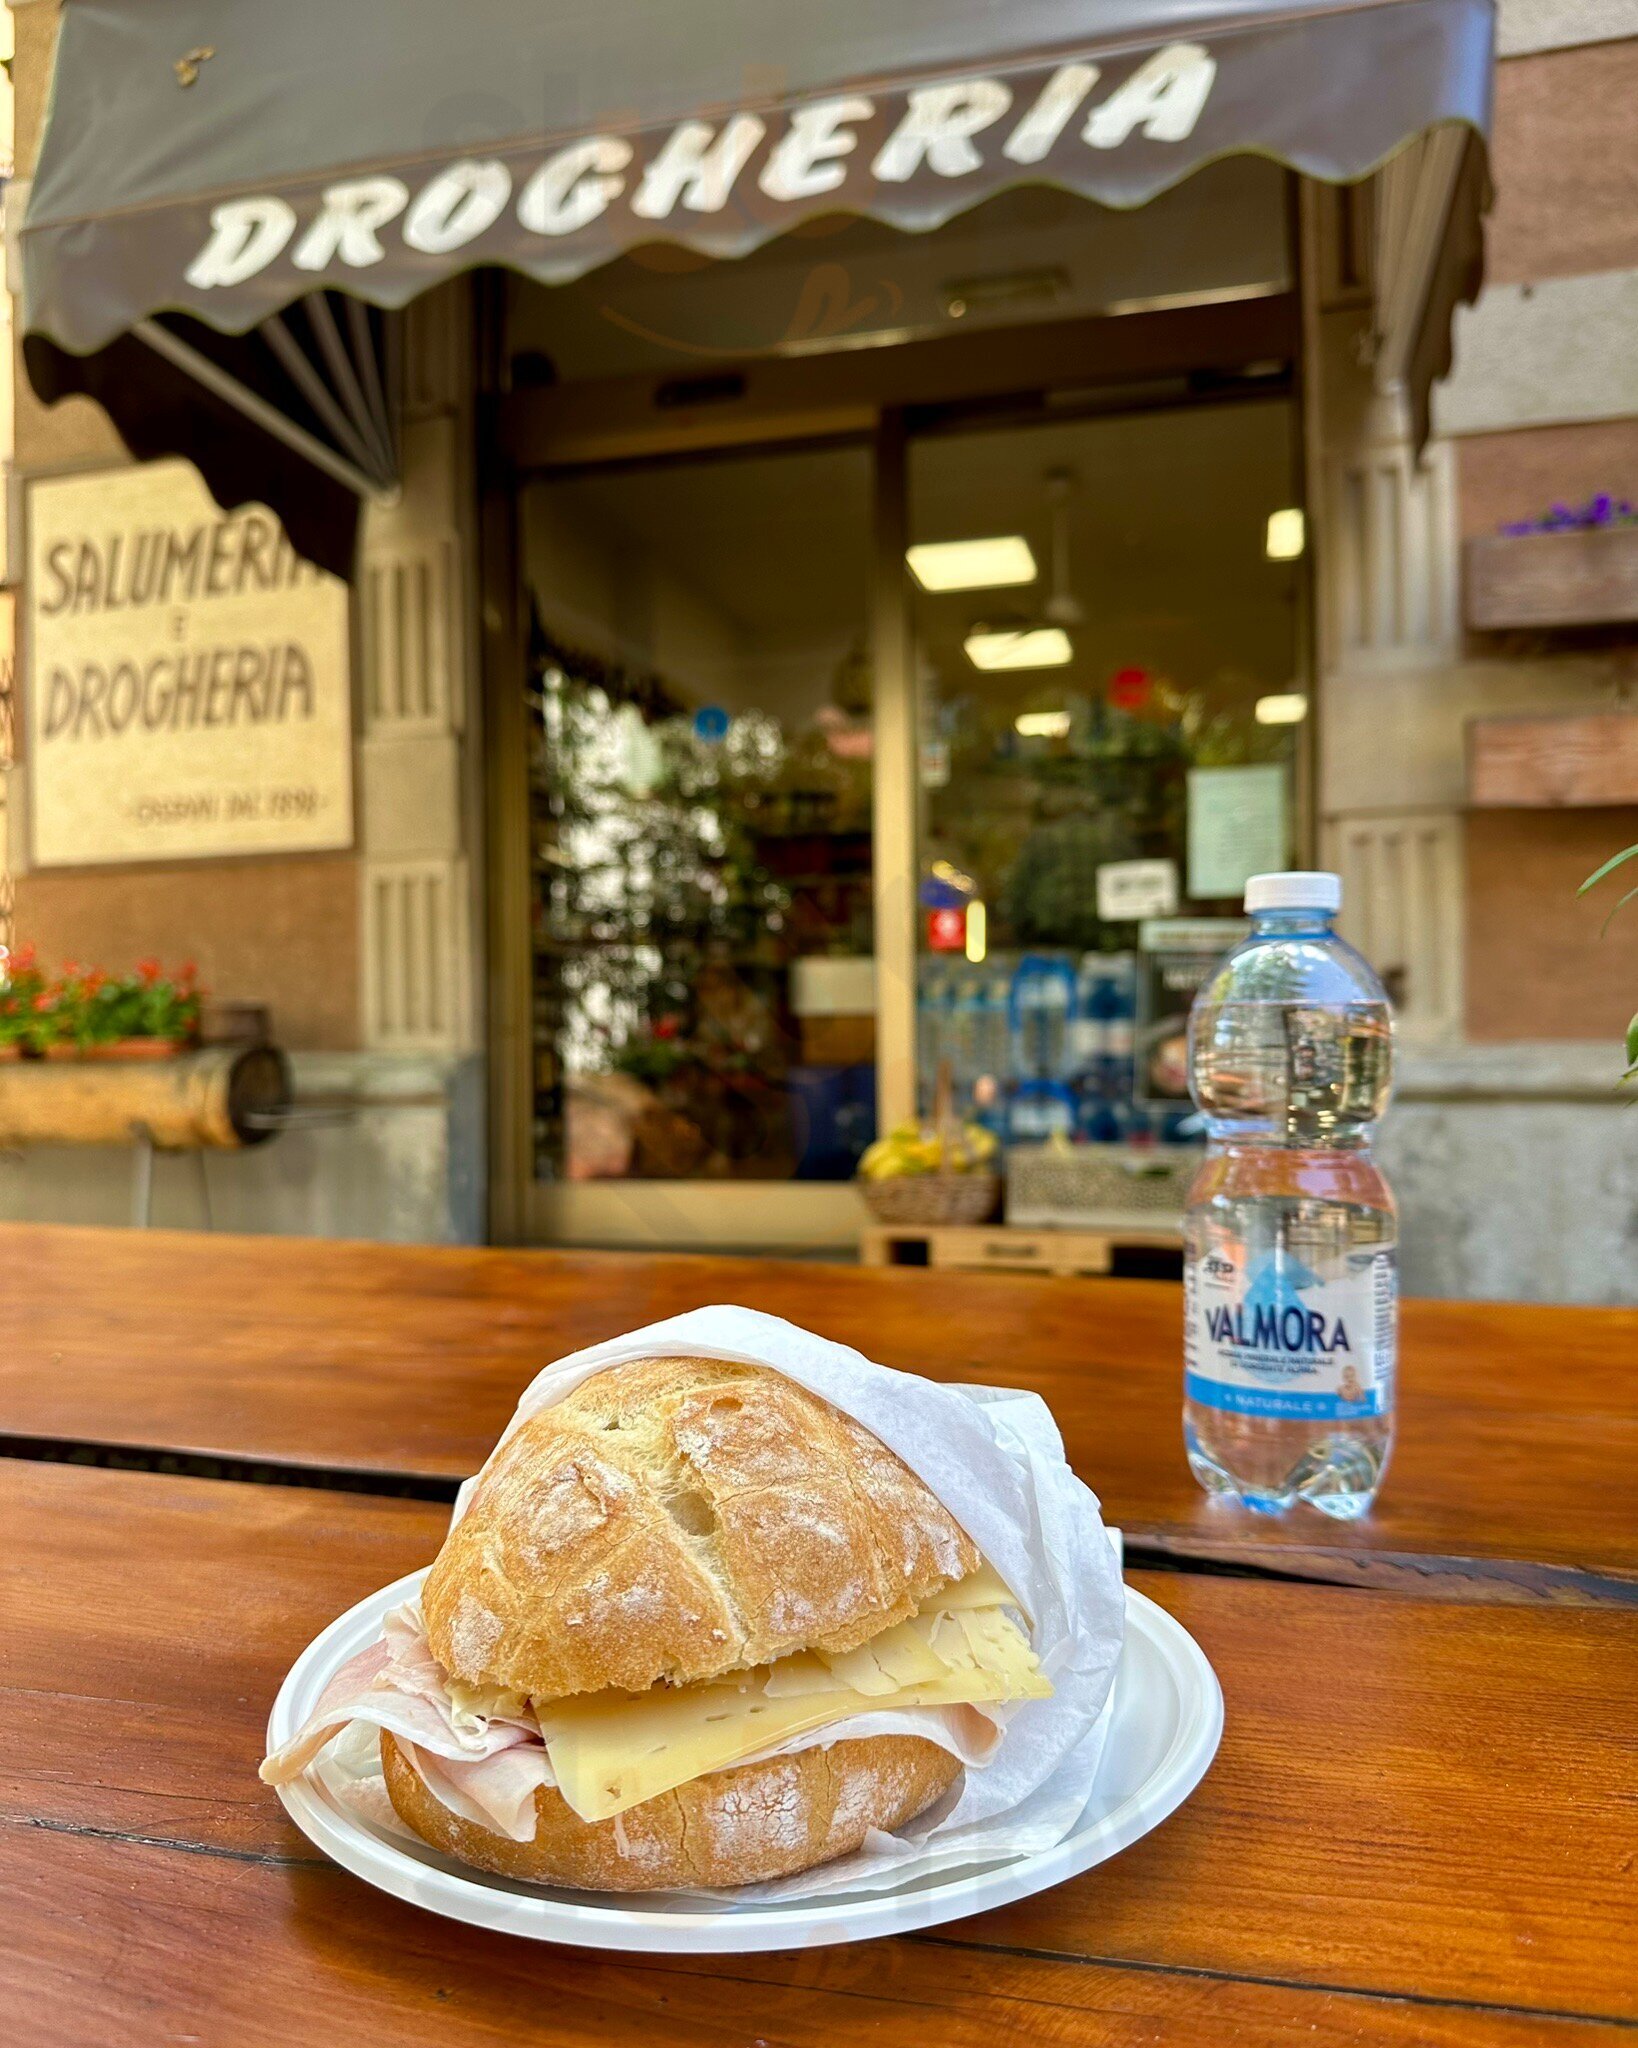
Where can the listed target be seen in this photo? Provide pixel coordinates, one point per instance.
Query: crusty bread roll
(733, 1827)
(678, 1519)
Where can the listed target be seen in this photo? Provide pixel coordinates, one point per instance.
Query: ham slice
(397, 1684)
(488, 1767)
(497, 1792)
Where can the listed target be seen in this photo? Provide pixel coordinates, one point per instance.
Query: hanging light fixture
(1062, 607)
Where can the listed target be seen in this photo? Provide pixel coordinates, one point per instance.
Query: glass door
(1108, 638)
(700, 805)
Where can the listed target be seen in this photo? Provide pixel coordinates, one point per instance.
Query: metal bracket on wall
(144, 1153)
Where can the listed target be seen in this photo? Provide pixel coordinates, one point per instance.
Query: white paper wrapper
(993, 1455)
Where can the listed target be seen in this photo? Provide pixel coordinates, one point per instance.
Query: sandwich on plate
(696, 1627)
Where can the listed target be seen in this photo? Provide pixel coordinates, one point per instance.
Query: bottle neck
(1293, 924)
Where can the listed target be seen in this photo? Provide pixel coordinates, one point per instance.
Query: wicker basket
(921, 1200)
(924, 1199)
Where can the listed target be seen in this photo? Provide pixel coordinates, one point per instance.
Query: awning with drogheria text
(235, 193)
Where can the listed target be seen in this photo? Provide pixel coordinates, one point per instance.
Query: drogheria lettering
(949, 128)
(251, 685)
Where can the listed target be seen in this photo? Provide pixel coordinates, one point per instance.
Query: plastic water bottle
(930, 1023)
(1120, 1029)
(1040, 1110)
(1291, 1290)
(1042, 1015)
(995, 1032)
(1087, 1034)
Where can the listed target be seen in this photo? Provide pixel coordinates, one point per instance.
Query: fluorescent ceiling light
(1284, 540)
(972, 564)
(1289, 709)
(1024, 647)
(1042, 725)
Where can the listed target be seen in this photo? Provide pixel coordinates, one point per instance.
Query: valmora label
(1277, 1329)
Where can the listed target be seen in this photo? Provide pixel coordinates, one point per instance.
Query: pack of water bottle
(962, 1017)
(1041, 1044)
(1106, 1045)
(1290, 1237)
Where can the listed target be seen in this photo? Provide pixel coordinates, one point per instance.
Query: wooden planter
(1588, 577)
(121, 1049)
(1554, 761)
(220, 1097)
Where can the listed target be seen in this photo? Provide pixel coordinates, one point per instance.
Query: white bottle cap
(1301, 889)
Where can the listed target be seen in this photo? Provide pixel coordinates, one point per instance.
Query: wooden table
(1518, 1425)
(1409, 1833)
(1419, 1827)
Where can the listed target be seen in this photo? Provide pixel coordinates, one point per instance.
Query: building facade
(428, 978)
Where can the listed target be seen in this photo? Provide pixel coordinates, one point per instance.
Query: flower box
(1553, 760)
(1583, 576)
(121, 1049)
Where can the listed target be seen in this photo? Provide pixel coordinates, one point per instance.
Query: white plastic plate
(1167, 1720)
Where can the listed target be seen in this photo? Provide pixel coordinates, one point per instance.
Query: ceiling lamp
(1042, 725)
(1285, 537)
(1022, 647)
(972, 564)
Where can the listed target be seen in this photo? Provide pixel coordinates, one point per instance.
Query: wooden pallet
(1000, 1248)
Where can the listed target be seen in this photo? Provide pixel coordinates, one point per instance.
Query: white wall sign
(1237, 827)
(1130, 889)
(188, 676)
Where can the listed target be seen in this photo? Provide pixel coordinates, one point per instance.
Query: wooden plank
(1584, 759)
(281, 1954)
(1001, 1248)
(1518, 1423)
(1412, 1801)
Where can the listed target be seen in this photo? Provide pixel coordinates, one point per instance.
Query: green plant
(89, 1007)
(1615, 861)
(22, 988)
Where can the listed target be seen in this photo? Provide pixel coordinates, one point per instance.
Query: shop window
(700, 781)
(1111, 704)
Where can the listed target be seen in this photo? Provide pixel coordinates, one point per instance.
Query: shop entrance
(849, 687)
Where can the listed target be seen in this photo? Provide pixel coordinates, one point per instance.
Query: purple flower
(1599, 511)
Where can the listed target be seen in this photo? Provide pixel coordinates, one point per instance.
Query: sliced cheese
(887, 1663)
(982, 1588)
(612, 1751)
(800, 1676)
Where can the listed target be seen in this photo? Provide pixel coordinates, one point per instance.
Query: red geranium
(1129, 688)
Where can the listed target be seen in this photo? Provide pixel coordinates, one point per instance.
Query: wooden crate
(1549, 762)
(1588, 577)
(999, 1248)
